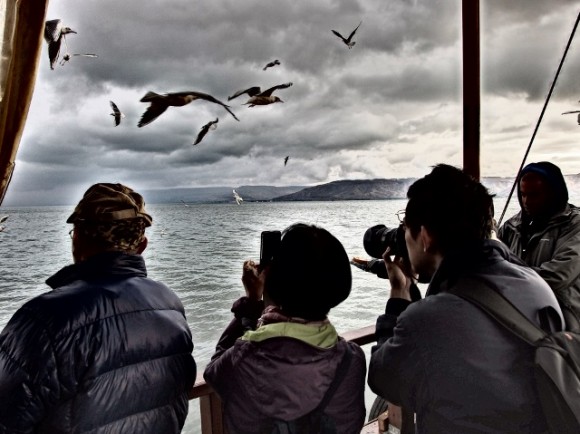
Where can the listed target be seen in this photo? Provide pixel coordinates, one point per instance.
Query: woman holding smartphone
(282, 362)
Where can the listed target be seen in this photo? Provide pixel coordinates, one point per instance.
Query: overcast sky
(389, 107)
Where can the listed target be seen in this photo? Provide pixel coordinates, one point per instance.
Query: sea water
(198, 251)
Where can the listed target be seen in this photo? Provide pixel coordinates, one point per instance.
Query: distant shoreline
(369, 189)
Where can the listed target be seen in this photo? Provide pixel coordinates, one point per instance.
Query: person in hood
(277, 359)
(107, 350)
(545, 234)
(442, 357)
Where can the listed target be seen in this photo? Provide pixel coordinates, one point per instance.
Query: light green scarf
(318, 335)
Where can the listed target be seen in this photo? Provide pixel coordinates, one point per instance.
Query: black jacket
(108, 350)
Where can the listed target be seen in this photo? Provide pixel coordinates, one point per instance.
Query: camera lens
(374, 242)
(377, 238)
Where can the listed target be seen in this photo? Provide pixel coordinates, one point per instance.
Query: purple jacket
(275, 375)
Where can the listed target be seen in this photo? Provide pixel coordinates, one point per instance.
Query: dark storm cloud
(531, 28)
(392, 104)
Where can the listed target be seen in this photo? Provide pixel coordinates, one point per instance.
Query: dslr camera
(377, 238)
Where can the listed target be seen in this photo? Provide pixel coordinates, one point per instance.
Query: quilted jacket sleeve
(28, 374)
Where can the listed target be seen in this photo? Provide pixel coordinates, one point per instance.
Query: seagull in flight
(68, 56)
(286, 160)
(2, 220)
(238, 198)
(271, 64)
(116, 113)
(211, 125)
(348, 41)
(265, 98)
(251, 91)
(54, 33)
(575, 111)
(159, 103)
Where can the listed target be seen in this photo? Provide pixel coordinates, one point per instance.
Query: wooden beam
(471, 87)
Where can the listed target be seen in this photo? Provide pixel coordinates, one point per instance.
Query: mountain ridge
(363, 189)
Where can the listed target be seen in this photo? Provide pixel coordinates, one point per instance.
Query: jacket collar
(467, 261)
(560, 216)
(102, 265)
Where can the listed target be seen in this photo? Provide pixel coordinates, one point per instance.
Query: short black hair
(452, 205)
(309, 274)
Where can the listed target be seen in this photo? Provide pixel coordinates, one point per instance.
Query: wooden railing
(210, 406)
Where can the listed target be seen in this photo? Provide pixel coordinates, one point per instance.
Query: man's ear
(427, 239)
(142, 245)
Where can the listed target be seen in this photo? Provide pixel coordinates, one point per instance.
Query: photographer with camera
(376, 240)
(442, 357)
(280, 365)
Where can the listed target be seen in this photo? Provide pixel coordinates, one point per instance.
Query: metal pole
(471, 87)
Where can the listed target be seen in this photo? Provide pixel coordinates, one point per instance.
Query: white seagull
(211, 125)
(265, 98)
(348, 41)
(54, 34)
(237, 197)
(116, 113)
(159, 103)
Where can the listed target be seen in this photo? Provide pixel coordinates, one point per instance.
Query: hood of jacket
(555, 180)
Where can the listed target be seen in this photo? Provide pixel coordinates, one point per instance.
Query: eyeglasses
(71, 233)
(401, 217)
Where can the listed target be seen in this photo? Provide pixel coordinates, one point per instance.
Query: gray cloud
(391, 106)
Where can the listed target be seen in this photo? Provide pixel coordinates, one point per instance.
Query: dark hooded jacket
(107, 351)
(550, 243)
(273, 372)
(458, 369)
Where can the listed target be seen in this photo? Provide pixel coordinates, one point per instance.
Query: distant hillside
(217, 194)
(369, 189)
(376, 189)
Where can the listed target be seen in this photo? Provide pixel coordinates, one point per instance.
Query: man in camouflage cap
(109, 217)
(108, 349)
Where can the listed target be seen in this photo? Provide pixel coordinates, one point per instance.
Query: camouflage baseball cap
(105, 202)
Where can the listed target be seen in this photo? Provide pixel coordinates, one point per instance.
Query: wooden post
(471, 87)
(210, 407)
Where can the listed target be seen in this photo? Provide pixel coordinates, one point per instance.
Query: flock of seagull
(55, 36)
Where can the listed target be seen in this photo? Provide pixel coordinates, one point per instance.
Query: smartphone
(269, 244)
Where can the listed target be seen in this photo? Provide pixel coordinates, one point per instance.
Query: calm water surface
(198, 251)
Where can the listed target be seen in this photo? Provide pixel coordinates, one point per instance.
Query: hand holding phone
(269, 245)
(253, 281)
